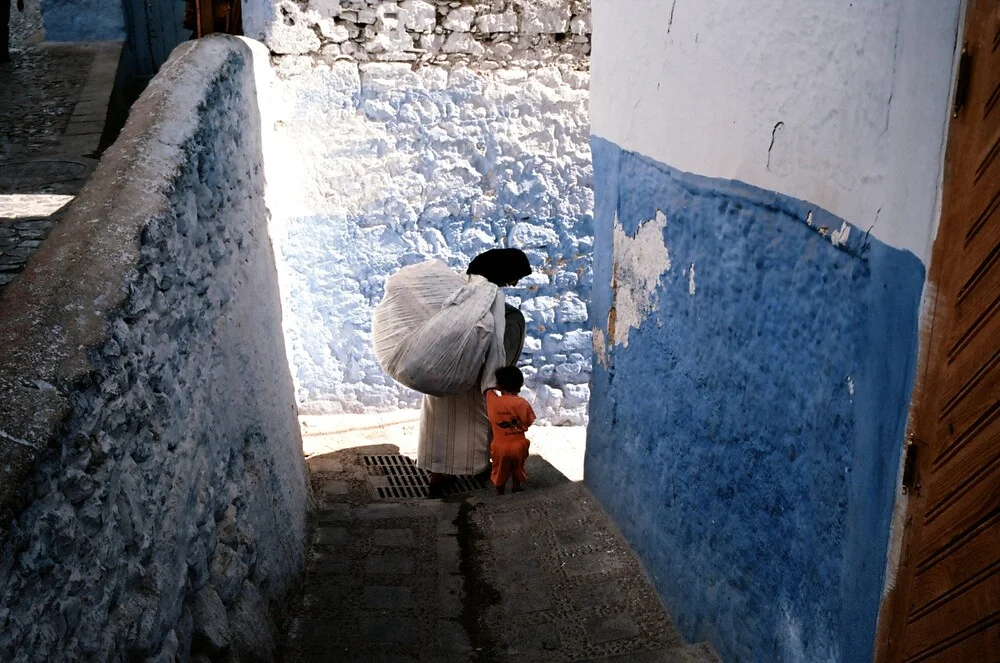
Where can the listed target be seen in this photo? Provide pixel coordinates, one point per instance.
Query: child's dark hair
(510, 379)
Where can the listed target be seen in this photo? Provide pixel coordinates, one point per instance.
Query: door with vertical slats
(946, 603)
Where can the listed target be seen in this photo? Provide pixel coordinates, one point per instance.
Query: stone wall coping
(57, 311)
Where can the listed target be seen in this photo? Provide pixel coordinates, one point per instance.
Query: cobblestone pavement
(52, 111)
(538, 576)
(26, 26)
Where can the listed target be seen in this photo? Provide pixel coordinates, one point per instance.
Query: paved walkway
(537, 576)
(52, 110)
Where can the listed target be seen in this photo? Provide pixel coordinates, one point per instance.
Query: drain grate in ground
(396, 477)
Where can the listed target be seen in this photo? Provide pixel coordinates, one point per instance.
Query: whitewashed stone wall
(152, 487)
(396, 152)
(491, 32)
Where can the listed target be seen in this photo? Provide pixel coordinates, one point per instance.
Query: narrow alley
(542, 575)
(52, 116)
(746, 280)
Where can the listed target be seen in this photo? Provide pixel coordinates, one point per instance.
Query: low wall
(442, 32)
(153, 495)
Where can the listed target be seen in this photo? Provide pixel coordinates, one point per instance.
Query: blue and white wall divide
(766, 195)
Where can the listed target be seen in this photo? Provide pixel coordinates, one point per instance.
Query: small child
(510, 415)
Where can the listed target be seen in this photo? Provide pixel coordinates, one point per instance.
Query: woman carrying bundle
(454, 430)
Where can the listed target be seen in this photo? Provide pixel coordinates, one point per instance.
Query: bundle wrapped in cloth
(438, 332)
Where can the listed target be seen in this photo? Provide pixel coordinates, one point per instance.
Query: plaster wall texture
(736, 281)
(154, 489)
(83, 20)
(841, 104)
(389, 163)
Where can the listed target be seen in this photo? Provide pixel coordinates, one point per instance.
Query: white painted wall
(861, 89)
(378, 165)
(401, 131)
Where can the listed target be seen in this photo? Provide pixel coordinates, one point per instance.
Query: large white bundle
(435, 330)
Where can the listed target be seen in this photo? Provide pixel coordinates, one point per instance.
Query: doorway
(946, 603)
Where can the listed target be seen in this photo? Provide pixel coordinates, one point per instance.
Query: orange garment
(510, 415)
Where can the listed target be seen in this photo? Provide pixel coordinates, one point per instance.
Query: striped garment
(454, 430)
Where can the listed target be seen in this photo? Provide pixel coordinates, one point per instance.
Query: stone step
(697, 653)
(541, 575)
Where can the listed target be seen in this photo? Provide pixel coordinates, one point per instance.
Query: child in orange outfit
(510, 415)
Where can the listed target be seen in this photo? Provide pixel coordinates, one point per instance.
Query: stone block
(336, 487)
(337, 33)
(544, 16)
(210, 624)
(378, 627)
(252, 630)
(489, 23)
(459, 20)
(389, 565)
(227, 571)
(418, 15)
(533, 639)
(383, 597)
(612, 627)
(521, 599)
(393, 538)
(331, 536)
(463, 42)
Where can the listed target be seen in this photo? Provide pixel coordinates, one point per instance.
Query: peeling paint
(839, 237)
(600, 345)
(691, 286)
(639, 263)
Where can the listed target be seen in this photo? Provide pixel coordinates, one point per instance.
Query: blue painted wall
(725, 439)
(83, 20)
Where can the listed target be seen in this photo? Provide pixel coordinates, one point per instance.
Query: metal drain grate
(396, 477)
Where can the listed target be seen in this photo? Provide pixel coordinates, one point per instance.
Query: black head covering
(501, 266)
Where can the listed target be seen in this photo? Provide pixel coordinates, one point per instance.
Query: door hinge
(911, 481)
(962, 83)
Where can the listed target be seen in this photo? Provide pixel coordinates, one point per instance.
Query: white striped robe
(454, 430)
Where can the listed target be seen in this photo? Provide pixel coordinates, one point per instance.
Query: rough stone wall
(151, 455)
(488, 33)
(441, 156)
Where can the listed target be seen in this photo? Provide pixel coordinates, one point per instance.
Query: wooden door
(946, 603)
(205, 17)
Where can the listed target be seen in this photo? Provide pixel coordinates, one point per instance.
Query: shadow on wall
(154, 493)
(748, 405)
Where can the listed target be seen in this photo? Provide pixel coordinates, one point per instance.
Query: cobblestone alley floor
(538, 576)
(52, 111)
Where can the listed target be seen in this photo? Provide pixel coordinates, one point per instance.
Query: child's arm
(530, 415)
(490, 394)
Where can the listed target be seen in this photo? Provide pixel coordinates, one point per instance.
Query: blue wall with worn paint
(83, 20)
(747, 438)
